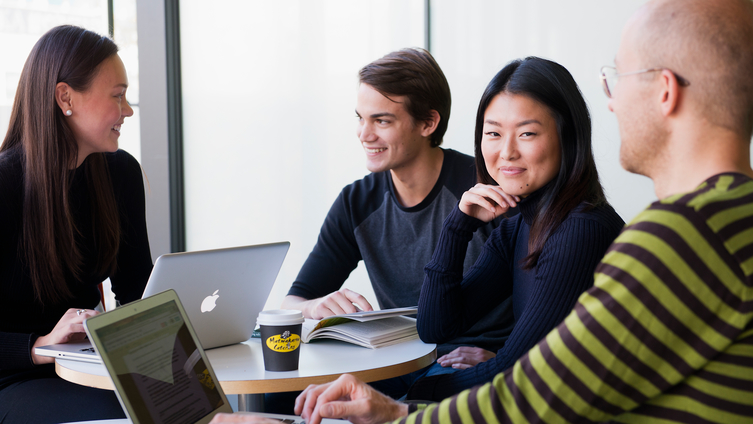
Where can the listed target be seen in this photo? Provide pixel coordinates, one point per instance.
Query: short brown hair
(415, 74)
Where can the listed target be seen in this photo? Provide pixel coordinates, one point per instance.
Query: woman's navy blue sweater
(541, 297)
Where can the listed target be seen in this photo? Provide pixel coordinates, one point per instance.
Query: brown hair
(39, 131)
(577, 181)
(415, 74)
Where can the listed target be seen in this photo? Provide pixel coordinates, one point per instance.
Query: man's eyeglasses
(609, 78)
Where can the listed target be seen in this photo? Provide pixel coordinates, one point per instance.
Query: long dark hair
(39, 131)
(577, 181)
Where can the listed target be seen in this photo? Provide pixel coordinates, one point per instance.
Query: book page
(374, 315)
(368, 334)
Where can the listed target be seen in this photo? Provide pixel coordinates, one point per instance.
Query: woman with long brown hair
(72, 215)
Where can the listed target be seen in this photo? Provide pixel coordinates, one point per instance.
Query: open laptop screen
(158, 370)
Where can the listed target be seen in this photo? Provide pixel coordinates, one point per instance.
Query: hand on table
(348, 398)
(337, 303)
(486, 202)
(70, 328)
(465, 357)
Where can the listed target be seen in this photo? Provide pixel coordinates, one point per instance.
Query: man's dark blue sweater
(367, 223)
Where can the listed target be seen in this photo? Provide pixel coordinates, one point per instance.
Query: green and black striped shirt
(664, 336)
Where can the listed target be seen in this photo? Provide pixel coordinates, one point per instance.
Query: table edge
(84, 379)
(299, 383)
(267, 386)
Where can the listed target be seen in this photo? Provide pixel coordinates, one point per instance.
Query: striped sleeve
(664, 336)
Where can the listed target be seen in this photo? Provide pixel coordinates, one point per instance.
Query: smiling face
(520, 144)
(390, 137)
(98, 113)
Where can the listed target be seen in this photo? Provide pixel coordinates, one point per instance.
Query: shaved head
(710, 44)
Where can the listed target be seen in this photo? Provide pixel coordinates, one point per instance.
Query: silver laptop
(156, 363)
(79, 351)
(222, 290)
(159, 370)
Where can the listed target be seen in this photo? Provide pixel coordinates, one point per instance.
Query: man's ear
(63, 96)
(670, 93)
(429, 125)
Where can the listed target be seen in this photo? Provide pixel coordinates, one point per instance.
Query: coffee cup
(280, 338)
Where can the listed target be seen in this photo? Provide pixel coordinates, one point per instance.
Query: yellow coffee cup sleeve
(278, 344)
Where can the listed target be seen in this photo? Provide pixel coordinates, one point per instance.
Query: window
(269, 94)
(22, 23)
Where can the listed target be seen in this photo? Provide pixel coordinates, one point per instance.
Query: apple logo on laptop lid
(209, 302)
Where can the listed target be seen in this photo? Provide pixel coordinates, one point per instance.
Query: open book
(370, 329)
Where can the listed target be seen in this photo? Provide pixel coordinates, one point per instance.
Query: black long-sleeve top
(22, 318)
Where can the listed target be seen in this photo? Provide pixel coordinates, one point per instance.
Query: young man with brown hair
(391, 218)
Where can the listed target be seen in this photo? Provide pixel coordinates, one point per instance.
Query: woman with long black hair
(72, 214)
(533, 150)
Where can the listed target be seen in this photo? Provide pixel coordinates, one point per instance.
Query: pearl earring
(68, 112)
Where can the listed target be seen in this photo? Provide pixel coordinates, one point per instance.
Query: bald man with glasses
(666, 333)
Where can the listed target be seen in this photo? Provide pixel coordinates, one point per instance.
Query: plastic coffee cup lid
(280, 317)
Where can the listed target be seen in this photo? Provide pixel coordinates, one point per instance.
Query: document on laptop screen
(157, 363)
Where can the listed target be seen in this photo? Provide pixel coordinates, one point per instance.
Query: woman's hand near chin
(486, 202)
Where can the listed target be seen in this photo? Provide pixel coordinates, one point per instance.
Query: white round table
(240, 367)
